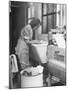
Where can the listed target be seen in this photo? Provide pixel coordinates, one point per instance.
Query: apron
(22, 50)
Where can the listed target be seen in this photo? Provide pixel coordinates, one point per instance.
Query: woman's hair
(35, 22)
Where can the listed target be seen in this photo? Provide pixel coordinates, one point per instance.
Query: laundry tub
(35, 80)
(39, 52)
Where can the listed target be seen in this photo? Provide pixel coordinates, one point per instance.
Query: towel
(14, 66)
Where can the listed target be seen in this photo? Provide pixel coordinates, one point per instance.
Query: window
(51, 15)
(48, 17)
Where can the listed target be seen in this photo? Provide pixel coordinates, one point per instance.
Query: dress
(22, 48)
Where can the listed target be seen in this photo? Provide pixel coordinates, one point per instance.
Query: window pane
(44, 8)
(50, 8)
(45, 24)
(50, 22)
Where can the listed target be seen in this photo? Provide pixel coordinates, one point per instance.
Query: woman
(22, 48)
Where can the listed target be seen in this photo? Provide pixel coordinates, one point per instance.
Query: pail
(31, 81)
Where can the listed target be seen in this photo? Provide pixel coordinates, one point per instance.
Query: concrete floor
(17, 83)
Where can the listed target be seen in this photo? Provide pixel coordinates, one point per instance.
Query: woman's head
(26, 32)
(35, 23)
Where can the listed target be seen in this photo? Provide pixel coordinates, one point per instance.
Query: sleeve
(27, 32)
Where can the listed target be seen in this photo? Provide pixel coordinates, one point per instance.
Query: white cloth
(14, 65)
(60, 40)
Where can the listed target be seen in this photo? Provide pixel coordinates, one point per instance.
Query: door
(17, 22)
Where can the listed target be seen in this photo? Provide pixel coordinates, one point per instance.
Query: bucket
(32, 80)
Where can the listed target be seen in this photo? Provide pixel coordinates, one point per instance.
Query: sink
(39, 50)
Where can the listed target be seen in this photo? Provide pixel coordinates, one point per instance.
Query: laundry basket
(32, 80)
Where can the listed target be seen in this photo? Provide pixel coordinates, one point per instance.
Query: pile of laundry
(32, 71)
